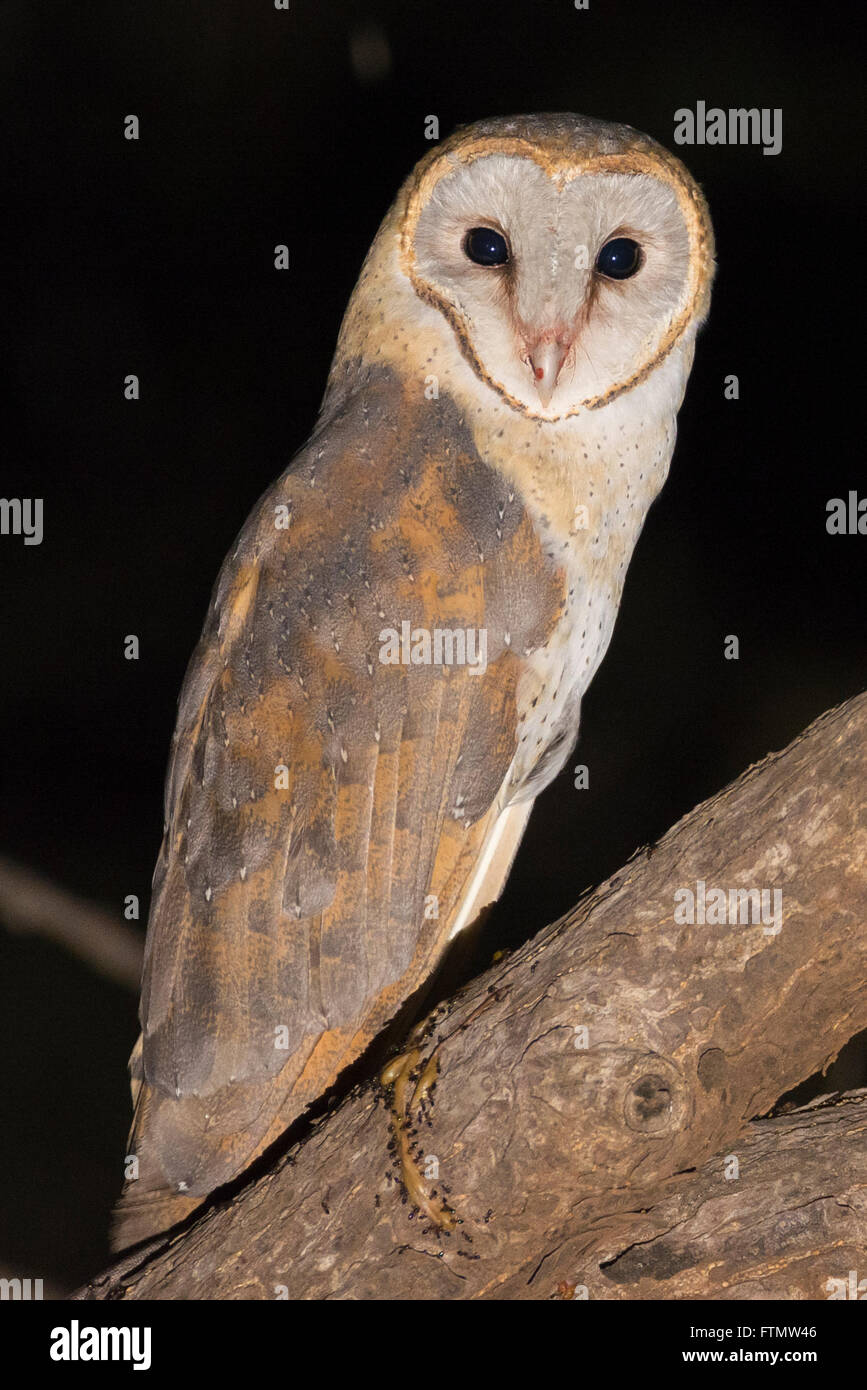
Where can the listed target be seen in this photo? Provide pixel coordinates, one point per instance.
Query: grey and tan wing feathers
(318, 799)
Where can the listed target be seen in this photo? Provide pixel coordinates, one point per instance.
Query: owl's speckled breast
(588, 484)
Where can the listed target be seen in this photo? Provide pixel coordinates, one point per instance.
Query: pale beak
(546, 359)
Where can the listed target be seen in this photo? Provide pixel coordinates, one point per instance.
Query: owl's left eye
(486, 247)
(619, 258)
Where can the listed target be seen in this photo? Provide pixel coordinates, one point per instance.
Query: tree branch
(581, 1082)
(30, 904)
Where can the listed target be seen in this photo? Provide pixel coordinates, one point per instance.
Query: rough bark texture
(604, 1159)
(787, 1220)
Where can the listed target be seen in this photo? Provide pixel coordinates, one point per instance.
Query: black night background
(155, 257)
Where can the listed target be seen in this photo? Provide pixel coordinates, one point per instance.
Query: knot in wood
(649, 1103)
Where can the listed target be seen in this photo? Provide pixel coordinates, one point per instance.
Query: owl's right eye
(619, 259)
(486, 247)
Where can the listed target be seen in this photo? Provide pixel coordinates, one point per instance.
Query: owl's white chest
(588, 491)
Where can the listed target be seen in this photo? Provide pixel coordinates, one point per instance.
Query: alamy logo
(739, 125)
(441, 646)
(76, 1343)
(22, 516)
(730, 906)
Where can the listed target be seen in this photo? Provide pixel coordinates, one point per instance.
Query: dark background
(156, 257)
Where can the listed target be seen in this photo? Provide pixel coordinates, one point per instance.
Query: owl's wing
(331, 814)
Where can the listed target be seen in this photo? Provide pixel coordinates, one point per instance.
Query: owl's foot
(409, 1082)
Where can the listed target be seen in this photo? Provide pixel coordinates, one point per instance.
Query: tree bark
(593, 1128)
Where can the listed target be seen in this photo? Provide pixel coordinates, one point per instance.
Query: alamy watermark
(22, 516)
(738, 125)
(439, 646)
(730, 907)
(851, 1288)
(847, 516)
(21, 1290)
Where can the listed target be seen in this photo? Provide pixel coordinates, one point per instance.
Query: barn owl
(395, 654)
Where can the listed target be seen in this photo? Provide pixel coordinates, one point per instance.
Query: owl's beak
(546, 358)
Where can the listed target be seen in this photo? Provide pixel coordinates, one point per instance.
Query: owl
(396, 650)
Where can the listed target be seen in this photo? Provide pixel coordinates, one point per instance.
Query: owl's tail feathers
(140, 1216)
(146, 1207)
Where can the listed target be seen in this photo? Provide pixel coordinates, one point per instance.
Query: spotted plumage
(491, 438)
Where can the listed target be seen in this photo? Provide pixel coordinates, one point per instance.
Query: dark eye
(619, 258)
(486, 247)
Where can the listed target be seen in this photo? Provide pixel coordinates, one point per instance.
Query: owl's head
(568, 256)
